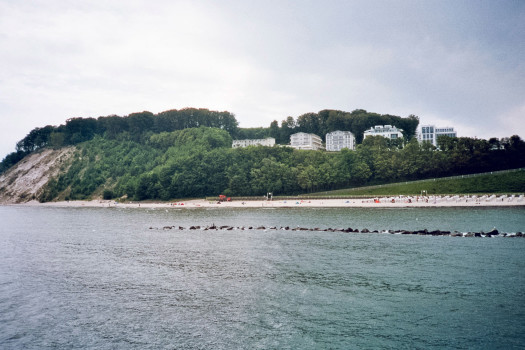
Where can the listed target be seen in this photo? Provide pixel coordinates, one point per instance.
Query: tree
(274, 132)
(139, 124)
(79, 130)
(271, 176)
(111, 126)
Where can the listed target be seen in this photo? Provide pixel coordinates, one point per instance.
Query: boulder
(493, 232)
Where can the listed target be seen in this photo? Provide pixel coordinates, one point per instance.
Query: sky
(457, 63)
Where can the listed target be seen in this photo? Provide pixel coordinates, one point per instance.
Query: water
(100, 278)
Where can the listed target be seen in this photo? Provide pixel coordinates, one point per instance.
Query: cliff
(25, 181)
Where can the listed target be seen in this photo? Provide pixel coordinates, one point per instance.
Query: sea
(121, 278)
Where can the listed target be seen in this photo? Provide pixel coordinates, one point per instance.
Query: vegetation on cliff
(138, 127)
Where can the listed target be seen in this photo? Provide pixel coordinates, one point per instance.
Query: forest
(188, 154)
(140, 126)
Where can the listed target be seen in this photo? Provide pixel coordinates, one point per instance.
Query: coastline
(392, 202)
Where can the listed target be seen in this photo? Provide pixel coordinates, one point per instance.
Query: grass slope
(513, 182)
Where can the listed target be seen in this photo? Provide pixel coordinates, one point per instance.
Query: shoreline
(392, 202)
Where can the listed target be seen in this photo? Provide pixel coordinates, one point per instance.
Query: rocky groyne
(492, 233)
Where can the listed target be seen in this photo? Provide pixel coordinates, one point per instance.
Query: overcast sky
(452, 63)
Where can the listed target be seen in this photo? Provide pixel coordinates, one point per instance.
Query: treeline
(200, 162)
(327, 121)
(138, 127)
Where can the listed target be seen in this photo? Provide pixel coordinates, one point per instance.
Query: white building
(303, 140)
(269, 142)
(388, 131)
(337, 140)
(429, 133)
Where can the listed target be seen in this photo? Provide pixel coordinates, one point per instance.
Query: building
(388, 131)
(269, 142)
(337, 140)
(303, 140)
(429, 133)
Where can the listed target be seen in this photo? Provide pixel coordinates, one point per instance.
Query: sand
(391, 202)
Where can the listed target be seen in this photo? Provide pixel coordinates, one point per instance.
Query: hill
(135, 157)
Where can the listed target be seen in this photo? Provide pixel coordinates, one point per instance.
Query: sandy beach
(390, 202)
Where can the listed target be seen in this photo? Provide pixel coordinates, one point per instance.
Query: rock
(365, 230)
(493, 232)
(477, 234)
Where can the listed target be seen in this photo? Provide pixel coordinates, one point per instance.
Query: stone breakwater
(425, 232)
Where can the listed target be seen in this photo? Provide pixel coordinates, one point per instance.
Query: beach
(385, 202)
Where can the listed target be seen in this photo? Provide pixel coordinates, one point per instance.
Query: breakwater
(424, 232)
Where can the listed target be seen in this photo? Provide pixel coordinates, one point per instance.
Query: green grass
(513, 182)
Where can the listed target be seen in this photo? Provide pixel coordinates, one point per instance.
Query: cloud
(459, 64)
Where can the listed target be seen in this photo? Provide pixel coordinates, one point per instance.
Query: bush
(107, 194)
